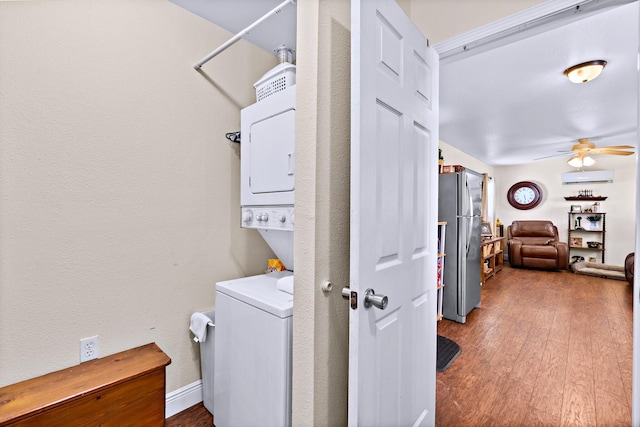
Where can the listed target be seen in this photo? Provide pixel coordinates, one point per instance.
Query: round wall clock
(524, 195)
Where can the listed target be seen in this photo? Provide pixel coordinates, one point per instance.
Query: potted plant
(594, 221)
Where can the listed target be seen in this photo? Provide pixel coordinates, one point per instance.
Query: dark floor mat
(448, 350)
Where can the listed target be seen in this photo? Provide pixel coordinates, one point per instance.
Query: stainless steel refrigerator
(460, 204)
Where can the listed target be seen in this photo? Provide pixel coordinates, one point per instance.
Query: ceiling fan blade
(607, 151)
(616, 147)
(568, 153)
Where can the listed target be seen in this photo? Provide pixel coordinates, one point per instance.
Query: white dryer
(253, 351)
(252, 361)
(267, 150)
(267, 166)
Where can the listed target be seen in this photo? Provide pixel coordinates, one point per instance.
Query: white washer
(253, 351)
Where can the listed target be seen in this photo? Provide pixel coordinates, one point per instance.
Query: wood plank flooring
(195, 416)
(544, 349)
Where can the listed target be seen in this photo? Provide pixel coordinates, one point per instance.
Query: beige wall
(440, 20)
(119, 193)
(453, 156)
(320, 335)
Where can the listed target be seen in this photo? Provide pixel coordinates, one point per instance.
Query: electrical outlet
(88, 349)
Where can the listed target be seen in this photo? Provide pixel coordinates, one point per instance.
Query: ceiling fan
(585, 148)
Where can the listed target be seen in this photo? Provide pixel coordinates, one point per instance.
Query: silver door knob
(379, 301)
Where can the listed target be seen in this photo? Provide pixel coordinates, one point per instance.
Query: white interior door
(393, 218)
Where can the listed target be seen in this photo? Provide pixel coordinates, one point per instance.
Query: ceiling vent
(582, 177)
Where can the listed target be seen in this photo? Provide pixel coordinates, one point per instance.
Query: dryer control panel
(268, 217)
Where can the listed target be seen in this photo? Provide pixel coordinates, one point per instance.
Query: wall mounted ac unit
(583, 177)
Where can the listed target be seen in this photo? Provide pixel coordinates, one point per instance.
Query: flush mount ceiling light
(576, 162)
(580, 160)
(585, 72)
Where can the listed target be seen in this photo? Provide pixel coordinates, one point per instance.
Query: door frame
(537, 19)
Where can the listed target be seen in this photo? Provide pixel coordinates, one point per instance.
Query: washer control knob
(247, 217)
(259, 217)
(293, 219)
(265, 217)
(282, 218)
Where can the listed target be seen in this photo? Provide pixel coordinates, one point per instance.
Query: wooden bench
(125, 389)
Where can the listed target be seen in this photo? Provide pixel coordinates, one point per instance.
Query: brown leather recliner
(535, 244)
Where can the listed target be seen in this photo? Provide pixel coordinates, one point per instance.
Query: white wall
(119, 193)
(619, 206)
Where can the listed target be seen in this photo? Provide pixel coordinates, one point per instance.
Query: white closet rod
(238, 36)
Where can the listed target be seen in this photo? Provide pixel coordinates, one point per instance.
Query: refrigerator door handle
(470, 213)
(470, 199)
(470, 229)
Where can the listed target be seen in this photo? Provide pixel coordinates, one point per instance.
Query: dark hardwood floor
(195, 416)
(545, 348)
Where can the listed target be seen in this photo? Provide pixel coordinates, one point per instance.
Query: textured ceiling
(512, 104)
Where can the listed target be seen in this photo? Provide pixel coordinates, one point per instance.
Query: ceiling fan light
(575, 161)
(585, 72)
(588, 161)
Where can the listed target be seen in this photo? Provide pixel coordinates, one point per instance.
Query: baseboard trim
(183, 398)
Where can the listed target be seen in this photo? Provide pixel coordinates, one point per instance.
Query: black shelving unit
(582, 228)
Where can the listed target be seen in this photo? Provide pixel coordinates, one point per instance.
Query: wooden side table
(492, 257)
(124, 389)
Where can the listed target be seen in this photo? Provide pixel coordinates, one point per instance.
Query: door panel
(388, 181)
(393, 218)
(420, 198)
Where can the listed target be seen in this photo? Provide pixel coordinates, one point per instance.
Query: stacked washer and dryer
(253, 335)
